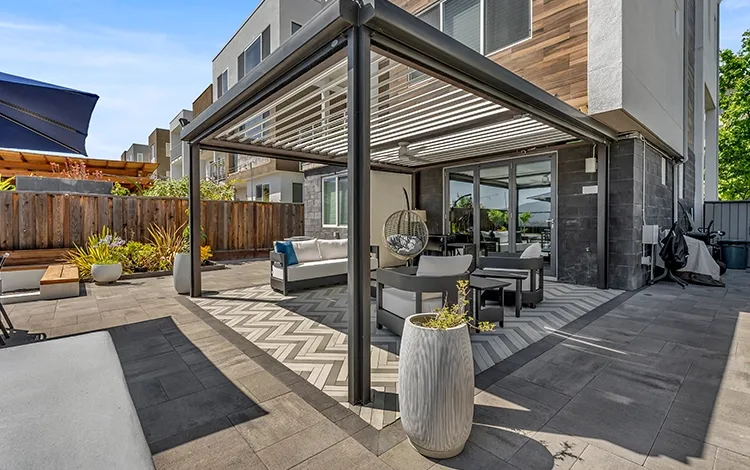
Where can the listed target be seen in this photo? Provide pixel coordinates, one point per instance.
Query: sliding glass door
(515, 206)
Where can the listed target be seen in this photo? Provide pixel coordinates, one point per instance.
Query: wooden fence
(235, 229)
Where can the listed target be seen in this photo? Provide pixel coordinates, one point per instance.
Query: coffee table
(517, 276)
(480, 284)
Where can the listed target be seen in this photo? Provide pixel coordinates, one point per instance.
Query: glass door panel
(534, 215)
(460, 214)
(494, 205)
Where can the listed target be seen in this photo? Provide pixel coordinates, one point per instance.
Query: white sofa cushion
(316, 269)
(443, 265)
(403, 303)
(532, 251)
(333, 249)
(306, 251)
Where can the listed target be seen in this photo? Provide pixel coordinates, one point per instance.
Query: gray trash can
(734, 254)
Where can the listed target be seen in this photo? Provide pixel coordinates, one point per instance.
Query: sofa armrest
(510, 262)
(280, 260)
(405, 279)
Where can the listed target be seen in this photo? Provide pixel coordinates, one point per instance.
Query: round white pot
(181, 273)
(106, 273)
(436, 388)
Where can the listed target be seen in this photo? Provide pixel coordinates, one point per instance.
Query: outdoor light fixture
(184, 122)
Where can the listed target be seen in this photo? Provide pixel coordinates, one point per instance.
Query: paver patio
(655, 379)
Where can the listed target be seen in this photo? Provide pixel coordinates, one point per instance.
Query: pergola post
(358, 107)
(602, 215)
(194, 201)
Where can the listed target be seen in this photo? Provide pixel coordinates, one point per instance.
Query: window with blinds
(506, 22)
(254, 54)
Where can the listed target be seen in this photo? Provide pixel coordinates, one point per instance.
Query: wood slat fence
(234, 229)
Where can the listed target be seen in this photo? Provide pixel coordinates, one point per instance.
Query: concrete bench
(59, 281)
(65, 405)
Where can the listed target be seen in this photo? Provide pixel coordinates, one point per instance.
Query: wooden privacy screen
(234, 229)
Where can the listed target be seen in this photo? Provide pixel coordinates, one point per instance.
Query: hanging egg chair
(405, 233)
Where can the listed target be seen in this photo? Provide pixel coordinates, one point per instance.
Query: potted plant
(181, 269)
(105, 264)
(436, 378)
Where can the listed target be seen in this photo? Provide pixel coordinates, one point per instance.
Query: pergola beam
(194, 221)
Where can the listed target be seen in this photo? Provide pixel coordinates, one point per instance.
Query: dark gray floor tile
(613, 421)
(147, 393)
(346, 455)
(675, 334)
(154, 367)
(351, 424)
(557, 377)
(299, 447)
(180, 384)
(550, 398)
(594, 458)
(548, 449)
(676, 451)
(635, 381)
(179, 415)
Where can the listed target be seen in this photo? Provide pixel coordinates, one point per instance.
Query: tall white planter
(181, 273)
(436, 388)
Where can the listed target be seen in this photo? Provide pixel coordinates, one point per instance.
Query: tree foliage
(179, 188)
(734, 127)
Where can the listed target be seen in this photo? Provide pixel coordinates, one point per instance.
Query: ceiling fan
(407, 155)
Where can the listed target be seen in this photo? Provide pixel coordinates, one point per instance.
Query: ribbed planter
(181, 273)
(106, 273)
(436, 388)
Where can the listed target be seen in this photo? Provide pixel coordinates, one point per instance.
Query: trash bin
(734, 254)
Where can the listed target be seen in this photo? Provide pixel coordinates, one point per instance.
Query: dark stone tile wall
(576, 218)
(314, 203)
(430, 197)
(626, 204)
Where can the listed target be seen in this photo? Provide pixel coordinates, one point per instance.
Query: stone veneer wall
(626, 205)
(313, 188)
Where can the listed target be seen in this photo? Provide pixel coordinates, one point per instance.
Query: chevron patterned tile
(306, 331)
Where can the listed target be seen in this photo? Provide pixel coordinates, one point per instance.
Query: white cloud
(143, 78)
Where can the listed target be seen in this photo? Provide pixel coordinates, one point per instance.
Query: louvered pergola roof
(433, 101)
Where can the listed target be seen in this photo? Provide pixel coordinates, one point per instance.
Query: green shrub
(179, 188)
(120, 190)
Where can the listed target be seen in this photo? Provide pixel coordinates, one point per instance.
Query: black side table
(491, 314)
(517, 276)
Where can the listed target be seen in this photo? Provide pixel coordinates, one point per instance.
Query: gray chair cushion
(64, 404)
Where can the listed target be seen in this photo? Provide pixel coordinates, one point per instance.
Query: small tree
(734, 128)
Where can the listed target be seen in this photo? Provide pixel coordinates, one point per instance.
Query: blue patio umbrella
(40, 116)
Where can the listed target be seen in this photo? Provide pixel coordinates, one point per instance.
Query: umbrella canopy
(40, 116)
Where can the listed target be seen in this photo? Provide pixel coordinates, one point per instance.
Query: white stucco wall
(636, 66)
(279, 185)
(710, 48)
(278, 14)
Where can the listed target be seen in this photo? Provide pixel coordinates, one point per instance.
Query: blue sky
(147, 59)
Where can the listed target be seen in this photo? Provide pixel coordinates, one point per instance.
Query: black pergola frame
(357, 28)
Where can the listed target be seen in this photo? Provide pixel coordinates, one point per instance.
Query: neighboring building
(270, 24)
(159, 151)
(137, 153)
(178, 166)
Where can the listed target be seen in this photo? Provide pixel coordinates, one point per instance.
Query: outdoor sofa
(530, 261)
(312, 263)
(405, 291)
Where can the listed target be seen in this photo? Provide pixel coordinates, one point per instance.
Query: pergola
(367, 85)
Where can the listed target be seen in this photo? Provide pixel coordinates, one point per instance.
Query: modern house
(487, 149)
(136, 153)
(178, 150)
(159, 151)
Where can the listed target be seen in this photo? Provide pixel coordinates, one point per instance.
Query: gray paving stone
(263, 386)
(638, 382)
(404, 457)
(179, 415)
(147, 393)
(690, 337)
(728, 460)
(473, 458)
(275, 420)
(299, 447)
(215, 445)
(594, 458)
(347, 454)
(560, 378)
(676, 451)
(549, 449)
(154, 367)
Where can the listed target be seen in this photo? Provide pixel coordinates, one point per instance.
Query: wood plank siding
(555, 58)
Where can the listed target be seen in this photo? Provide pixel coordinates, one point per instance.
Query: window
(295, 27)
(221, 84)
(335, 201)
(254, 54)
(153, 153)
(486, 26)
(506, 22)
(139, 157)
(262, 192)
(168, 150)
(297, 192)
